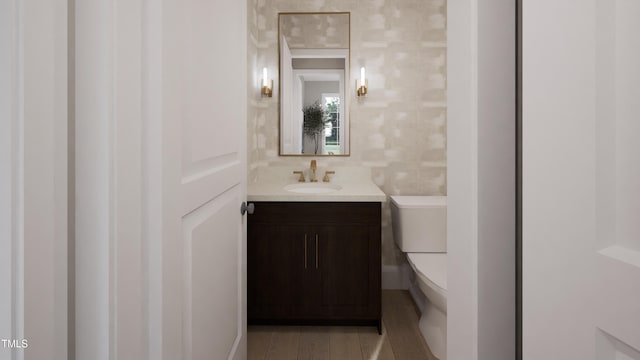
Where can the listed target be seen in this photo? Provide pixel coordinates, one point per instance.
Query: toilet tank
(419, 223)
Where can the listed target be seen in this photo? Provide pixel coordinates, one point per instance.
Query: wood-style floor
(400, 339)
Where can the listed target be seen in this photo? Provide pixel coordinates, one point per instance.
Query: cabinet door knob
(305, 251)
(244, 208)
(316, 251)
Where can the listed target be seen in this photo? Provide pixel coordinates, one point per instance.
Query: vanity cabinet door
(278, 271)
(349, 271)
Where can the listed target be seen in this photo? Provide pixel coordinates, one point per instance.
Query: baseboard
(396, 277)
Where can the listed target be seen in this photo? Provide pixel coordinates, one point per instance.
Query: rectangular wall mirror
(314, 83)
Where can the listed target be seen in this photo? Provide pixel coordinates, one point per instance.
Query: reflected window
(331, 105)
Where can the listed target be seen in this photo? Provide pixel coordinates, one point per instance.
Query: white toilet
(420, 230)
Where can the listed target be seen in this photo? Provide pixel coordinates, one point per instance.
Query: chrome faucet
(313, 171)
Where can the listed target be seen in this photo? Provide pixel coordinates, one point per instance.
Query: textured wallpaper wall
(316, 31)
(399, 129)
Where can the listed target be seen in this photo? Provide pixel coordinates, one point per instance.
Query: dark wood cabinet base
(314, 264)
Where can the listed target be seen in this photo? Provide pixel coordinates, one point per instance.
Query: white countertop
(356, 185)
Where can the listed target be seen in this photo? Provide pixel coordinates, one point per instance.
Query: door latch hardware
(247, 208)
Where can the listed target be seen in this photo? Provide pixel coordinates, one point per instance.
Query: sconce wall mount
(266, 89)
(361, 89)
(363, 84)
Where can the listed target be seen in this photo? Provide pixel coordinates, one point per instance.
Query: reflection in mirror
(314, 73)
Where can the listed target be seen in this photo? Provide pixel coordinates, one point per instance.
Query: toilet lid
(432, 266)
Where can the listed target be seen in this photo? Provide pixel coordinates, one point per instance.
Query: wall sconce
(361, 87)
(267, 85)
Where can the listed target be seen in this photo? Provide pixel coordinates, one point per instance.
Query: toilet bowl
(419, 229)
(430, 271)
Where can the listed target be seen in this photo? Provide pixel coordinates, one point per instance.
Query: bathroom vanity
(315, 258)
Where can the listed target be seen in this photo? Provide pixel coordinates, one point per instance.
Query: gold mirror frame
(347, 82)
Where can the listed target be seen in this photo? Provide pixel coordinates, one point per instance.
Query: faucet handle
(301, 178)
(326, 175)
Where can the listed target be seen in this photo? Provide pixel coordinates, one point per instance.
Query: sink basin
(312, 188)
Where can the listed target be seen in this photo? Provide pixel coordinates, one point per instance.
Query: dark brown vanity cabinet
(314, 263)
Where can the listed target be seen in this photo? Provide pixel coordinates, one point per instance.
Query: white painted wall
(128, 282)
(581, 200)
(9, 176)
(313, 90)
(558, 125)
(110, 259)
(557, 192)
(290, 142)
(33, 185)
(94, 62)
(45, 178)
(481, 180)
(462, 180)
(496, 179)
